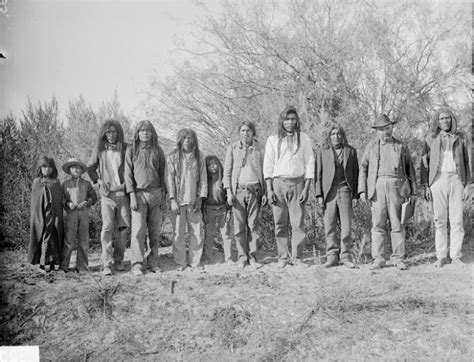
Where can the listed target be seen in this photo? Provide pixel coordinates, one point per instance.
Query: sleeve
(170, 172)
(91, 195)
(202, 177)
(308, 157)
(161, 169)
(66, 198)
(92, 165)
(318, 176)
(355, 193)
(268, 159)
(228, 163)
(467, 163)
(364, 166)
(410, 171)
(128, 172)
(425, 165)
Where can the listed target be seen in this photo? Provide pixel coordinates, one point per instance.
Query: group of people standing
(135, 180)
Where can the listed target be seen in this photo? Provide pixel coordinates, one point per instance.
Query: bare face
(46, 170)
(246, 135)
(445, 121)
(144, 134)
(213, 167)
(75, 170)
(336, 137)
(111, 134)
(385, 132)
(188, 143)
(289, 124)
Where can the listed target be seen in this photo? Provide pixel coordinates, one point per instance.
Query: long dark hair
(281, 130)
(220, 172)
(327, 140)
(49, 162)
(435, 129)
(105, 126)
(136, 138)
(182, 133)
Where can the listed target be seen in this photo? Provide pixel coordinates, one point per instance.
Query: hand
(320, 201)
(227, 215)
(71, 205)
(354, 203)
(304, 196)
(174, 207)
(428, 195)
(264, 200)
(466, 195)
(230, 198)
(197, 205)
(271, 197)
(363, 197)
(133, 201)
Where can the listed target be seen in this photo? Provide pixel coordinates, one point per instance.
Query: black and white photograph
(236, 180)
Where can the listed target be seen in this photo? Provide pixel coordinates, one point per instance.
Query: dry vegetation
(222, 313)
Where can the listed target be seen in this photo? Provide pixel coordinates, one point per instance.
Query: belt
(245, 186)
(293, 180)
(117, 193)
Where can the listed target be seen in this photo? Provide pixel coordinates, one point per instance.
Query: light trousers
(189, 221)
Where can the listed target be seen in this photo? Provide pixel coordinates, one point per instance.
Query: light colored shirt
(388, 161)
(448, 165)
(188, 183)
(285, 162)
(111, 175)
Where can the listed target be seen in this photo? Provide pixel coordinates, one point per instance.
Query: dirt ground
(222, 313)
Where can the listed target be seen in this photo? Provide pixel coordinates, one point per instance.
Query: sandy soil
(222, 313)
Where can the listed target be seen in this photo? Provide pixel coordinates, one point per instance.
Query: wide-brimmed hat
(74, 162)
(382, 121)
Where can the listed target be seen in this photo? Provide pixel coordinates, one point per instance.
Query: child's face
(213, 167)
(46, 170)
(75, 170)
(144, 134)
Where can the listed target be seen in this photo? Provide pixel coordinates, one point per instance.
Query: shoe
(118, 266)
(137, 270)
(229, 262)
(106, 271)
(377, 264)
(458, 262)
(241, 265)
(254, 265)
(154, 268)
(181, 268)
(331, 261)
(42, 269)
(348, 264)
(401, 265)
(282, 263)
(299, 263)
(439, 263)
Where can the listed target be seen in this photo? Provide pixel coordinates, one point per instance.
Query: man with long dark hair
(145, 183)
(288, 169)
(106, 167)
(186, 179)
(337, 172)
(446, 175)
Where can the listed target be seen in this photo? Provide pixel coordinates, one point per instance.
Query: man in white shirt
(288, 168)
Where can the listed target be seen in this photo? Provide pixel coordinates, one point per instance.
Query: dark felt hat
(382, 121)
(74, 162)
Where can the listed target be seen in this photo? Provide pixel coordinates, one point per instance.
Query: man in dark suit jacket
(337, 172)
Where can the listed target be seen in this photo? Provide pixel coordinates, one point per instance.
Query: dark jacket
(369, 169)
(431, 160)
(37, 220)
(326, 170)
(96, 166)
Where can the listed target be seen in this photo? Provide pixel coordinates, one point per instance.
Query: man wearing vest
(386, 180)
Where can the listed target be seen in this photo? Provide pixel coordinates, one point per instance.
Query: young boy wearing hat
(386, 180)
(78, 196)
